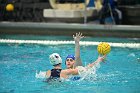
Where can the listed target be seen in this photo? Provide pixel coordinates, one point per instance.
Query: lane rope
(55, 42)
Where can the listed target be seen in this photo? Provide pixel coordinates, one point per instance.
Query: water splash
(85, 73)
(131, 55)
(41, 74)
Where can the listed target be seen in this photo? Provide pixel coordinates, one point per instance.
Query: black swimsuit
(55, 75)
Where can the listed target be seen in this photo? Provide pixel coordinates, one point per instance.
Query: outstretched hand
(101, 58)
(78, 37)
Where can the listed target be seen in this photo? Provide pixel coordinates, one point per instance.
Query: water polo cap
(55, 59)
(71, 56)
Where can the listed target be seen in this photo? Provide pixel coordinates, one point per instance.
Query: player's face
(70, 63)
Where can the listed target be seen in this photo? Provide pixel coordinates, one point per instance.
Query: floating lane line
(61, 42)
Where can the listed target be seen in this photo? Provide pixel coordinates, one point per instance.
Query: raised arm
(100, 59)
(77, 38)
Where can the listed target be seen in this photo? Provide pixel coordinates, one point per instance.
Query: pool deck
(67, 29)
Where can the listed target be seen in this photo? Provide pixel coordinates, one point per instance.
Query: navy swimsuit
(55, 75)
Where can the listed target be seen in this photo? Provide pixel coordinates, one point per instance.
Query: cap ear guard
(55, 59)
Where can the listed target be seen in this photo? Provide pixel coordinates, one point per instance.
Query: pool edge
(70, 29)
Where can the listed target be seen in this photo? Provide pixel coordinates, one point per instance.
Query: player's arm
(73, 71)
(67, 72)
(77, 38)
(100, 59)
(48, 73)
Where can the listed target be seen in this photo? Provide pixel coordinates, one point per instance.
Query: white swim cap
(55, 59)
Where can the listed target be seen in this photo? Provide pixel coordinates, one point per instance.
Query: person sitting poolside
(110, 9)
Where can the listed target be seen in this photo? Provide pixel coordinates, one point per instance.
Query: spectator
(110, 9)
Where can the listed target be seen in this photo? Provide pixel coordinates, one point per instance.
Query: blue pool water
(19, 63)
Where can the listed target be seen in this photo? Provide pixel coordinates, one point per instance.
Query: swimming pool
(19, 63)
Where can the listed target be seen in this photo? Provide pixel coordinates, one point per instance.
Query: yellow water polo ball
(103, 48)
(9, 7)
